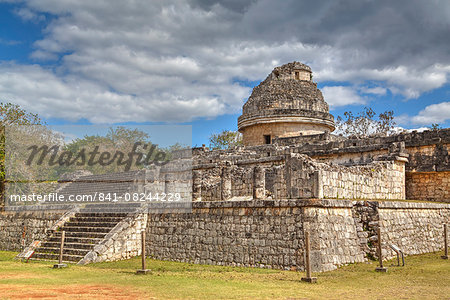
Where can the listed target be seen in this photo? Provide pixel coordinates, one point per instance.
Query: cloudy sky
(110, 61)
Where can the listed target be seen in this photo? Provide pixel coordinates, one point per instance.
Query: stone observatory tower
(287, 103)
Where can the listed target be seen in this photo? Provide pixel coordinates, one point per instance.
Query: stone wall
(19, 229)
(428, 151)
(254, 234)
(254, 135)
(333, 234)
(379, 180)
(257, 233)
(415, 227)
(431, 186)
(266, 234)
(307, 139)
(294, 176)
(270, 233)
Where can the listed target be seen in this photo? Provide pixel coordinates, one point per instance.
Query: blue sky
(195, 62)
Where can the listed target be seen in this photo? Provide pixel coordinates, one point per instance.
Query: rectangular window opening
(267, 139)
(297, 75)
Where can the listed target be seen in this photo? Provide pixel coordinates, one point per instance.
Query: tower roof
(287, 92)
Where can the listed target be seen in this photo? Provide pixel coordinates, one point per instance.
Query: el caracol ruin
(252, 205)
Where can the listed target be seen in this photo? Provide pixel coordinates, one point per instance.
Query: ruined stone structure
(253, 204)
(287, 103)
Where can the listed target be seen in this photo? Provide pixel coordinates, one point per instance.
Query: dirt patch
(18, 276)
(69, 292)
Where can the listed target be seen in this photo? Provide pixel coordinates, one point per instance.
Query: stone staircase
(113, 185)
(83, 231)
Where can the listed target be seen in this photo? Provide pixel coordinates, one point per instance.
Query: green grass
(424, 277)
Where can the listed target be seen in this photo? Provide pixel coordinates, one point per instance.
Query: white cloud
(341, 95)
(178, 60)
(73, 98)
(403, 80)
(403, 119)
(29, 15)
(374, 90)
(434, 113)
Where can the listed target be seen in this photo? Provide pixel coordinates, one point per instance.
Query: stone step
(100, 215)
(55, 244)
(96, 219)
(118, 210)
(91, 224)
(74, 234)
(85, 229)
(50, 256)
(72, 239)
(69, 251)
(134, 205)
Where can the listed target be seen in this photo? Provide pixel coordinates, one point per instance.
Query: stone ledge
(279, 118)
(401, 204)
(328, 203)
(413, 205)
(273, 203)
(34, 208)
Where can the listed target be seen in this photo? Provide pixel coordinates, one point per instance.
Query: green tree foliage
(435, 126)
(119, 139)
(364, 123)
(225, 140)
(11, 114)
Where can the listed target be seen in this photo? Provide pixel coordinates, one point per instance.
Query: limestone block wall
(334, 235)
(415, 227)
(379, 180)
(266, 234)
(428, 151)
(431, 186)
(270, 233)
(301, 75)
(254, 135)
(243, 233)
(215, 184)
(301, 177)
(258, 233)
(429, 158)
(173, 177)
(294, 176)
(19, 229)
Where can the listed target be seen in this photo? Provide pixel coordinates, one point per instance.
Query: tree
(225, 140)
(119, 139)
(11, 114)
(435, 126)
(364, 123)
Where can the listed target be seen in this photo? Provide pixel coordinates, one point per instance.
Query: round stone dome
(287, 103)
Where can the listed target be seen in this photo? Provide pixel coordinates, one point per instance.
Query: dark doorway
(267, 139)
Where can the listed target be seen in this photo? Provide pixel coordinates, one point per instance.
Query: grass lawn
(425, 277)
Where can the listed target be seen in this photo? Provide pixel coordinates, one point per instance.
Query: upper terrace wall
(428, 150)
(428, 162)
(271, 173)
(379, 180)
